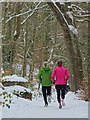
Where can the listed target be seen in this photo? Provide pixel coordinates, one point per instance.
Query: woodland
(34, 32)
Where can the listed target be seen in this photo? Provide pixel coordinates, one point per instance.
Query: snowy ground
(35, 109)
(22, 108)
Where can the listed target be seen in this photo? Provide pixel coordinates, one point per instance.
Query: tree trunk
(68, 41)
(88, 67)
(78, 57)
(10, 29)
(78, 61)
(32, 52)
(24, 57)
(0, 40)
(72, 58)
(16, 32)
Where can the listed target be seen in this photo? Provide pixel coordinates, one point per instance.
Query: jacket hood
(46, 69)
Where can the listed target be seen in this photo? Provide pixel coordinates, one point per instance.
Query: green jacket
(45, 76)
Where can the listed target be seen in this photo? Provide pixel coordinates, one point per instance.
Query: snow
(15, 33)
(32, 12)
(1, 85)
(0, 104)
(1, 1)
(77, 0)
(69, 13)
(17, 88)
(0, 112)
(14, 78)
(73, 29)
(23, 108)
(51, 52)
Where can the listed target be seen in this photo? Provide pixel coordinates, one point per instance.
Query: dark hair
(59, 63)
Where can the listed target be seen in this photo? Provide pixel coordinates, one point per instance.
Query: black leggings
(60, 89)
(46, 90)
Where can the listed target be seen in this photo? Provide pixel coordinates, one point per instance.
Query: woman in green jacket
(45, 79)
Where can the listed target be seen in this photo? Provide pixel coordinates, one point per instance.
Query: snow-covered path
(35, 109)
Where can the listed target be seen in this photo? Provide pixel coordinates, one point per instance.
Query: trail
(35, 109)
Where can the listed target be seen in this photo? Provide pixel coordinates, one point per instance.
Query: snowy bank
(11, 89)
(14, 78)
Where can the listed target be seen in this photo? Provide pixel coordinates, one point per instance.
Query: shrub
(84, 87)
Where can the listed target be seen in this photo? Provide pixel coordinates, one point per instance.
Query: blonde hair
(45, 64)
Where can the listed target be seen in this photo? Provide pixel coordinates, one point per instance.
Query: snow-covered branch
(70, 26)
(44, 20)
(1, 86)
(21, 56)
(32, 12)
(69, 13)
(83, 20)
(60, 12)
(1, 1)
(73, 29)
(51, 53)
(28, 60)
(59, 56)
(24, 13)
(76, 7)
(81, 16)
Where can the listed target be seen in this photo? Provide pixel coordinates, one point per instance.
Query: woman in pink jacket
(60, 76)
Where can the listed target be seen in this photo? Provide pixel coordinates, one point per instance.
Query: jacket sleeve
(67, 74)
(40, 75)
(53, 75)
(50, 76)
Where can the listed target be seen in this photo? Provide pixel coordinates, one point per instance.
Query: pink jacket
(60, 75)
